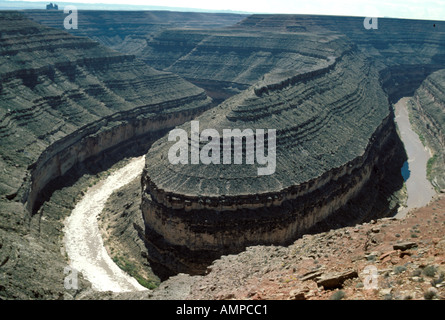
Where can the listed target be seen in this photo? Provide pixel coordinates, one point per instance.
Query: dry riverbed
(83, 240)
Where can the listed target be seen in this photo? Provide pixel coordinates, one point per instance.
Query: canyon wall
(60, 107)
(324, 83)
(293, 65)
(185, 233)
(334, 132)
(129, 31)
(66, 102)
(228, 53)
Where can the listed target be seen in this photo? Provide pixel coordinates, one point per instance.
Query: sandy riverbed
(83, 240)
(420, 191)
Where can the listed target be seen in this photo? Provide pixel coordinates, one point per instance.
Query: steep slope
(334, 134)
(324, 83)
(49, 91)
(408, 257)
(327, 91)
(67, 101)
(405, 51)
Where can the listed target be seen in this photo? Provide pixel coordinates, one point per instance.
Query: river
(419, 189)
(83, 240)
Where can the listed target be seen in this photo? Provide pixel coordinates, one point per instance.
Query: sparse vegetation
(430, 164)
(430, 294)
(338, 295)
(399, 269)
(130, 268)
(430, 271)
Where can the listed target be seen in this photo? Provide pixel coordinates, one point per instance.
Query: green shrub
(338, 295)
(131, 269)
(430, 271)
(399, 269)
(430, 164)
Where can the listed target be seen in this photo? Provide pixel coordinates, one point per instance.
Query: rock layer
(328, 95)
(329, 144)
(66, 107)
(67, 102)
(322, 82)
(226, 60)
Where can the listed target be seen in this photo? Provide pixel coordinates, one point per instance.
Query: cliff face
(65, 101)
(66, 107)
(227, 53)
(405, 51)
(206, 49)
(324, 83)
(332, 126)
(327, 92)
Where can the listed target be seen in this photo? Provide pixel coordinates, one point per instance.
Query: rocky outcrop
(72, 108)
(282, 273)
(67, 102)
(298, 94)
(193, 213)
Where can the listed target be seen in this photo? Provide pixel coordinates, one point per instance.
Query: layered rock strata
(430, 99)
(130, 31)
(60, 107)
(226, 60)
(325, 84)
(316, 80)
(65, 100)
(334, 129)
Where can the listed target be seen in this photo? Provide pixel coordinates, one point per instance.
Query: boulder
(404, 245)
(336, 279)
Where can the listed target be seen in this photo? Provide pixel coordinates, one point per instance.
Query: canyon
(194, 214)
(69, 106)
(72, 107)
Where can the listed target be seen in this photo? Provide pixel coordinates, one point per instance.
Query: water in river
(405, 171)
